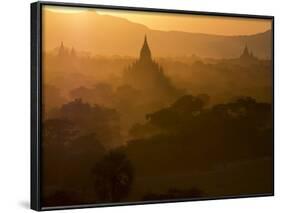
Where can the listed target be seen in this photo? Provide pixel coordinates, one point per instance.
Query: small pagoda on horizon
(247, 54)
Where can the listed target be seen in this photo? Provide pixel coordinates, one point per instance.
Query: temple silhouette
(247, 55)
(147, 75)
(145, 53)
(65, 53)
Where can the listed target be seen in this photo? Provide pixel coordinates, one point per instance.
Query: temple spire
(61, 49)
(145, 53)
(246, 51)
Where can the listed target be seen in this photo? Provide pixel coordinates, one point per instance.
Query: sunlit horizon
(190, 23)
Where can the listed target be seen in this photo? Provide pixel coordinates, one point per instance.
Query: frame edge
(35, 203)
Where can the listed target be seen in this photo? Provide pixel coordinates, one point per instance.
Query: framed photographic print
(137, 105)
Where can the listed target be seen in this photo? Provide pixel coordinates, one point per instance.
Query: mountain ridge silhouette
(108, 35)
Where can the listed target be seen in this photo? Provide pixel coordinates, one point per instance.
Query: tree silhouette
(113, 177)
(180, 113)
(103, 121)
(59, 131)
(57, 136)
(175, 138)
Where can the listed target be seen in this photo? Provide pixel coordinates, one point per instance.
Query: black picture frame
(36, 98)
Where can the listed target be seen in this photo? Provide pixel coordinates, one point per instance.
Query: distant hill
(109, 35)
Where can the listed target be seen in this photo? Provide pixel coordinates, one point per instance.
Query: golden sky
(183, 22)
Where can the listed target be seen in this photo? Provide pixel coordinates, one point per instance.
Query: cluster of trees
(186, 145)
(77, 168)
(180, 139)
(187, 135)
(81, 159)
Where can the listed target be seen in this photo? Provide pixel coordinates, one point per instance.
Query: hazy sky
(183, 22)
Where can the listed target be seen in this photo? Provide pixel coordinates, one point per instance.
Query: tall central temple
(147, 76)
(145, 54)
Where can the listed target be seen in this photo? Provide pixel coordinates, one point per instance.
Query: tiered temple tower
(147, 75)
